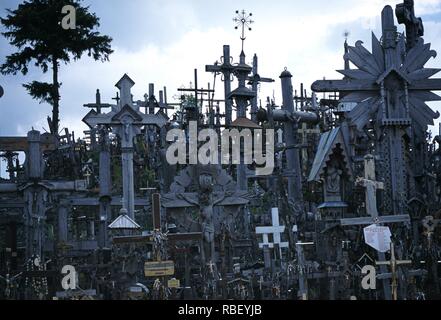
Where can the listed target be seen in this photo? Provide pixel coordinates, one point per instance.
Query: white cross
(276, 229)
(371, 186)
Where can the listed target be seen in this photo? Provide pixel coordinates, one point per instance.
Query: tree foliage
(34, 28)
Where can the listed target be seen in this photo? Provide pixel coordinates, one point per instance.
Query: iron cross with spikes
(244, 20)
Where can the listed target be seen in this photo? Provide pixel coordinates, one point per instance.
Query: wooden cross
(371, 208)
(156, 217)
(98, 105)
(393, 263)
(371, 199)
(226, 68)
(255, 80)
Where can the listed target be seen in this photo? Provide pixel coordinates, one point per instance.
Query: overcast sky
(162, 42)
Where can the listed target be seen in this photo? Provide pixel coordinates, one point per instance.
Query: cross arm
(260, 79)
(213, 68)
(95, 105)
(411, 273)
(370, 220)
(344, 85)
(427, 84)
(174, 237)
(388, 263)
(365, 182)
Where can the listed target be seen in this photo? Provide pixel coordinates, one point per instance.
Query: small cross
(98, 105)
(116, 98)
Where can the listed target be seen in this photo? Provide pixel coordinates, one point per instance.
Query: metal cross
(244, 20)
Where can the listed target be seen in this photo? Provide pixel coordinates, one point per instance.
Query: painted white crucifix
(275, 230)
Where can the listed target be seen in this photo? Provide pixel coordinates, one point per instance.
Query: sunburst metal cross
(243, 20)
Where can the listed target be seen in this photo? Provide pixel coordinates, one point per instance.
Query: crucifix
(393, 263)
(212, 196)
(11, 283)
(126, 121)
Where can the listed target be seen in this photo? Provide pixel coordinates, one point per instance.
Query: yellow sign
(174, 283)
(159, 268)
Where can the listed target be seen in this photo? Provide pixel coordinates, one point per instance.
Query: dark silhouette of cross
(414, 26)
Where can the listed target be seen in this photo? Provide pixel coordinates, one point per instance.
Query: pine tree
(35, 29)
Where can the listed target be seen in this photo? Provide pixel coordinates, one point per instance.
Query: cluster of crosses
(137, 227)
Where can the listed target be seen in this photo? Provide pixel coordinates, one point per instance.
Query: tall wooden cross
(255, 80)
(393, 263)
(371, 208)
(371, 199)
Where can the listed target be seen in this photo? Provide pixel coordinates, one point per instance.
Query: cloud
(162, 42)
